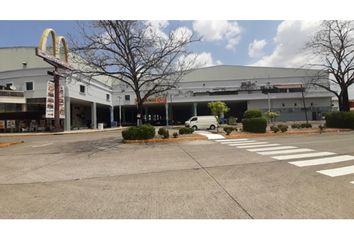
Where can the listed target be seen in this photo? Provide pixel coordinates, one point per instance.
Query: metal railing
(9, 93)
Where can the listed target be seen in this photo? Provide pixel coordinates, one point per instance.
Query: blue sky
(27, 33)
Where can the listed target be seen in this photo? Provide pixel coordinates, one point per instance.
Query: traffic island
(192, 137)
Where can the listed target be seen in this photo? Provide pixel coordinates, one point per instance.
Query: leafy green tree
(217, 109)
(271, 116)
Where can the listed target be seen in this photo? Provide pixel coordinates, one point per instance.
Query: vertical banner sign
(49, 108)
(2, 124)
(61, 103)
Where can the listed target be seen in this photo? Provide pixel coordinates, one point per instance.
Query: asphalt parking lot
(94, 175)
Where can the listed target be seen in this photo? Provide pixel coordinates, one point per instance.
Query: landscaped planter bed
(192, 137)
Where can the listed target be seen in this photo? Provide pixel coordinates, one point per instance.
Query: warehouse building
(88, 101)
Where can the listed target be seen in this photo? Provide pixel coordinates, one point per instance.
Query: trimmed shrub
(175, 135)
(256, 125)
(163, 132)
(185, 130)
(232, 121)
(229, 130)
(283, 127)
(145, 131)
(253, 113)
(306, 125)
(275, 129)
(296, 125)
(340, 120)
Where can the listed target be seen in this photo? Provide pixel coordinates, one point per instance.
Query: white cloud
(182, 33)
(255, 49)
(156, 28)
(197, 60)
(290, 41)
(228, 31)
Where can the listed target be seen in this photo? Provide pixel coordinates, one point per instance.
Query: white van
(202, 122)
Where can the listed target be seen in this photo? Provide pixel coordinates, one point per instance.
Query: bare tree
(333, 45)
(131, 52)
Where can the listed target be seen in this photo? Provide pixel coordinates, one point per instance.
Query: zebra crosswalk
(300, 157)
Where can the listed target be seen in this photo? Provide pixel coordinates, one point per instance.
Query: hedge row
(145, 131)
(340, 120)
(256, 125)
(186, 130)
(254, 122)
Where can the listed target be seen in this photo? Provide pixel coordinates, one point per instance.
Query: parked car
(202, 122)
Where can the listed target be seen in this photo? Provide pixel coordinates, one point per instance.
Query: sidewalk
(59, 133)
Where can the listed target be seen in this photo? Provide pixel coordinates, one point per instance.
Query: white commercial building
(88, 101)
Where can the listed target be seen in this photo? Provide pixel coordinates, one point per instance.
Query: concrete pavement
(95, 176)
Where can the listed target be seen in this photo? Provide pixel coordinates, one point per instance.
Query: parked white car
(202, 122)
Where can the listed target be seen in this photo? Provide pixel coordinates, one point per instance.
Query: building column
(67, 120)
(195, 109)
(93, 115)
(111, 108)
(24, 107)
(166, 113)
(170, 113)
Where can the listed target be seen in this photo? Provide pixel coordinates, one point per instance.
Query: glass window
(127, 97)
(194, 119)
(29, 86)
(82, 89)
(107, 97)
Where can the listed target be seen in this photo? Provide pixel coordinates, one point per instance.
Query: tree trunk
(343, 101)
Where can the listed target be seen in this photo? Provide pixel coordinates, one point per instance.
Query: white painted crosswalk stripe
(335, 172)
(232, 140)
(270, 148)
(258, 146)
(320, 161)
(250, 141)
(298, 150)
(247, 144)
(304, 155)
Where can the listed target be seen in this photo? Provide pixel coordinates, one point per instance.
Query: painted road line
(247, 144)
(257, 146)
(352, 182)
(243, 142)
(270, 148)
(210, 135)
(298, 150)
(304, 155)
(42, 145)
(320, 161)
(231, 140)
(335, 172)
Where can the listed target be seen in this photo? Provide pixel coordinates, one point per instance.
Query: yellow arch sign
(57, 43)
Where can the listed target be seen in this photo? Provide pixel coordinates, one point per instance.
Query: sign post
(58, 64)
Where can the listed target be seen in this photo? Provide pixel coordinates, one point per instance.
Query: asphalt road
(94, 175)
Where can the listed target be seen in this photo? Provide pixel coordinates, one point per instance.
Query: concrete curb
(59, 133)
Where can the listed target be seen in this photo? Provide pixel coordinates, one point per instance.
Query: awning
(288, 86)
